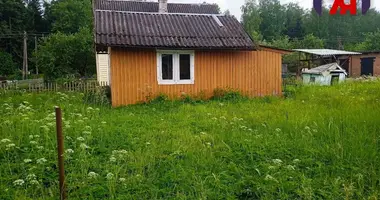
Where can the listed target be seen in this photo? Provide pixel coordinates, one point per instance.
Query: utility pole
(25, 58)
(35, 51)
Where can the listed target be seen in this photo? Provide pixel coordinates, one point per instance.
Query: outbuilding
(149, 48)
(328, 74)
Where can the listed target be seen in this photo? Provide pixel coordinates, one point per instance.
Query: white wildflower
(18, 182)
(27, 160)
(69, 151)
(290, 167)
(148, 143)
(31, 177)
(67, 126)
(10, 145)
(214, 118)
(40, 147)
(36, 136)
(87, 132)
(109, 176)
(92, 175)
(90, 108)
(278, 130)
(122, 180)
(41, 161)
(88, 128)
(277, 161)
(5, 140)
(221, 104)
(112, 159)
(97, 109)
(264, 125)
(31, 137)
(84, 146)
(203, 133)
(33, 142)
(209, 143)
(270, 178)
(34, 182)
(103, 122)
(271, 167)
(223, 117)
(50, 124)
(307, 128)
(296, 161)
(80, 139)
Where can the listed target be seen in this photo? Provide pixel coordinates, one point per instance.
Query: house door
(367, 66)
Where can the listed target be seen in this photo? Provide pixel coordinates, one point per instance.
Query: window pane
(184, 63)
(167, 66)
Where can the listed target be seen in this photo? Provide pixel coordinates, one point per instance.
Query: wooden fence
(74, 86)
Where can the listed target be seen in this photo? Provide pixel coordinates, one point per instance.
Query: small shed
(328, 74)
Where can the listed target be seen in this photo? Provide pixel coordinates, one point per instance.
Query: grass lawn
(323, 143)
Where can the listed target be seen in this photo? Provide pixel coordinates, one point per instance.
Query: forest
(60, 41)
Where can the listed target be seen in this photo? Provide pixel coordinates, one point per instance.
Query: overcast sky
(234, 5)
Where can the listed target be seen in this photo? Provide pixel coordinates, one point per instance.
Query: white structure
(103, 68)
(324, 75)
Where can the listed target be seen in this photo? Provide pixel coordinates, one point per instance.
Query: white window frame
(176, 68)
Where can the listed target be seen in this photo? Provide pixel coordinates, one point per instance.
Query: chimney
(162, 6)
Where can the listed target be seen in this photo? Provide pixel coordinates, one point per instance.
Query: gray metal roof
(326, 52)
(332, 67)
(170, 30)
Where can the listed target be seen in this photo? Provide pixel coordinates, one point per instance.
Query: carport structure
(324, 56)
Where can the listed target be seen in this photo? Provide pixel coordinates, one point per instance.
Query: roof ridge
(158, 13)
(216, 37)
(153, 2)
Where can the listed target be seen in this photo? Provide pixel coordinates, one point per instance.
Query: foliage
(100, 96)
(227, 94)
(370, 43)
(7, 66)
(318, 145)
(70, 16)
(61, 55)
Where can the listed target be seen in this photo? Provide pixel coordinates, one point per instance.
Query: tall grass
(322, 143)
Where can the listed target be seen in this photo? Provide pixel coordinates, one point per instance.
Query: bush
(101, 96)
(227, 94)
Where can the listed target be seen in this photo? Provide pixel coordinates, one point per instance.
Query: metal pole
(62, 188)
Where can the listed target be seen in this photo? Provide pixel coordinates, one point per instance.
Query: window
(175, 67)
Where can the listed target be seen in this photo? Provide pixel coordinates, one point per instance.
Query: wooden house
(148, 48)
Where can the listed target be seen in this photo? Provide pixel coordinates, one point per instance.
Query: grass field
(323, 143)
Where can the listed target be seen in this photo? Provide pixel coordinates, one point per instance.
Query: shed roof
(138, 6)
(332, 67)
(170, 30)
(326, 52)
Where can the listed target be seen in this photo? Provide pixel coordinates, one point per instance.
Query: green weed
(321, 144)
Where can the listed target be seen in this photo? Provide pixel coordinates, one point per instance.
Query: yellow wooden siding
(254, 73)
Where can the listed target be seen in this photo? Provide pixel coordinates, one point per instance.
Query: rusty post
(58, 116)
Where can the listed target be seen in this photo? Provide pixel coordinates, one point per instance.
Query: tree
(251, 19)
(69, 16)
(272, 14)
(294, 21)
(61, 55)
(7, 66)
(371, 42)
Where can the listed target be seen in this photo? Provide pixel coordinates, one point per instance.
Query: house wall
(255, 73)
(321, 79)
(355, 64)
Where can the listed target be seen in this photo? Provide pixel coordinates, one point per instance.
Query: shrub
(159, 99)
(227, 94)
(100, 96)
